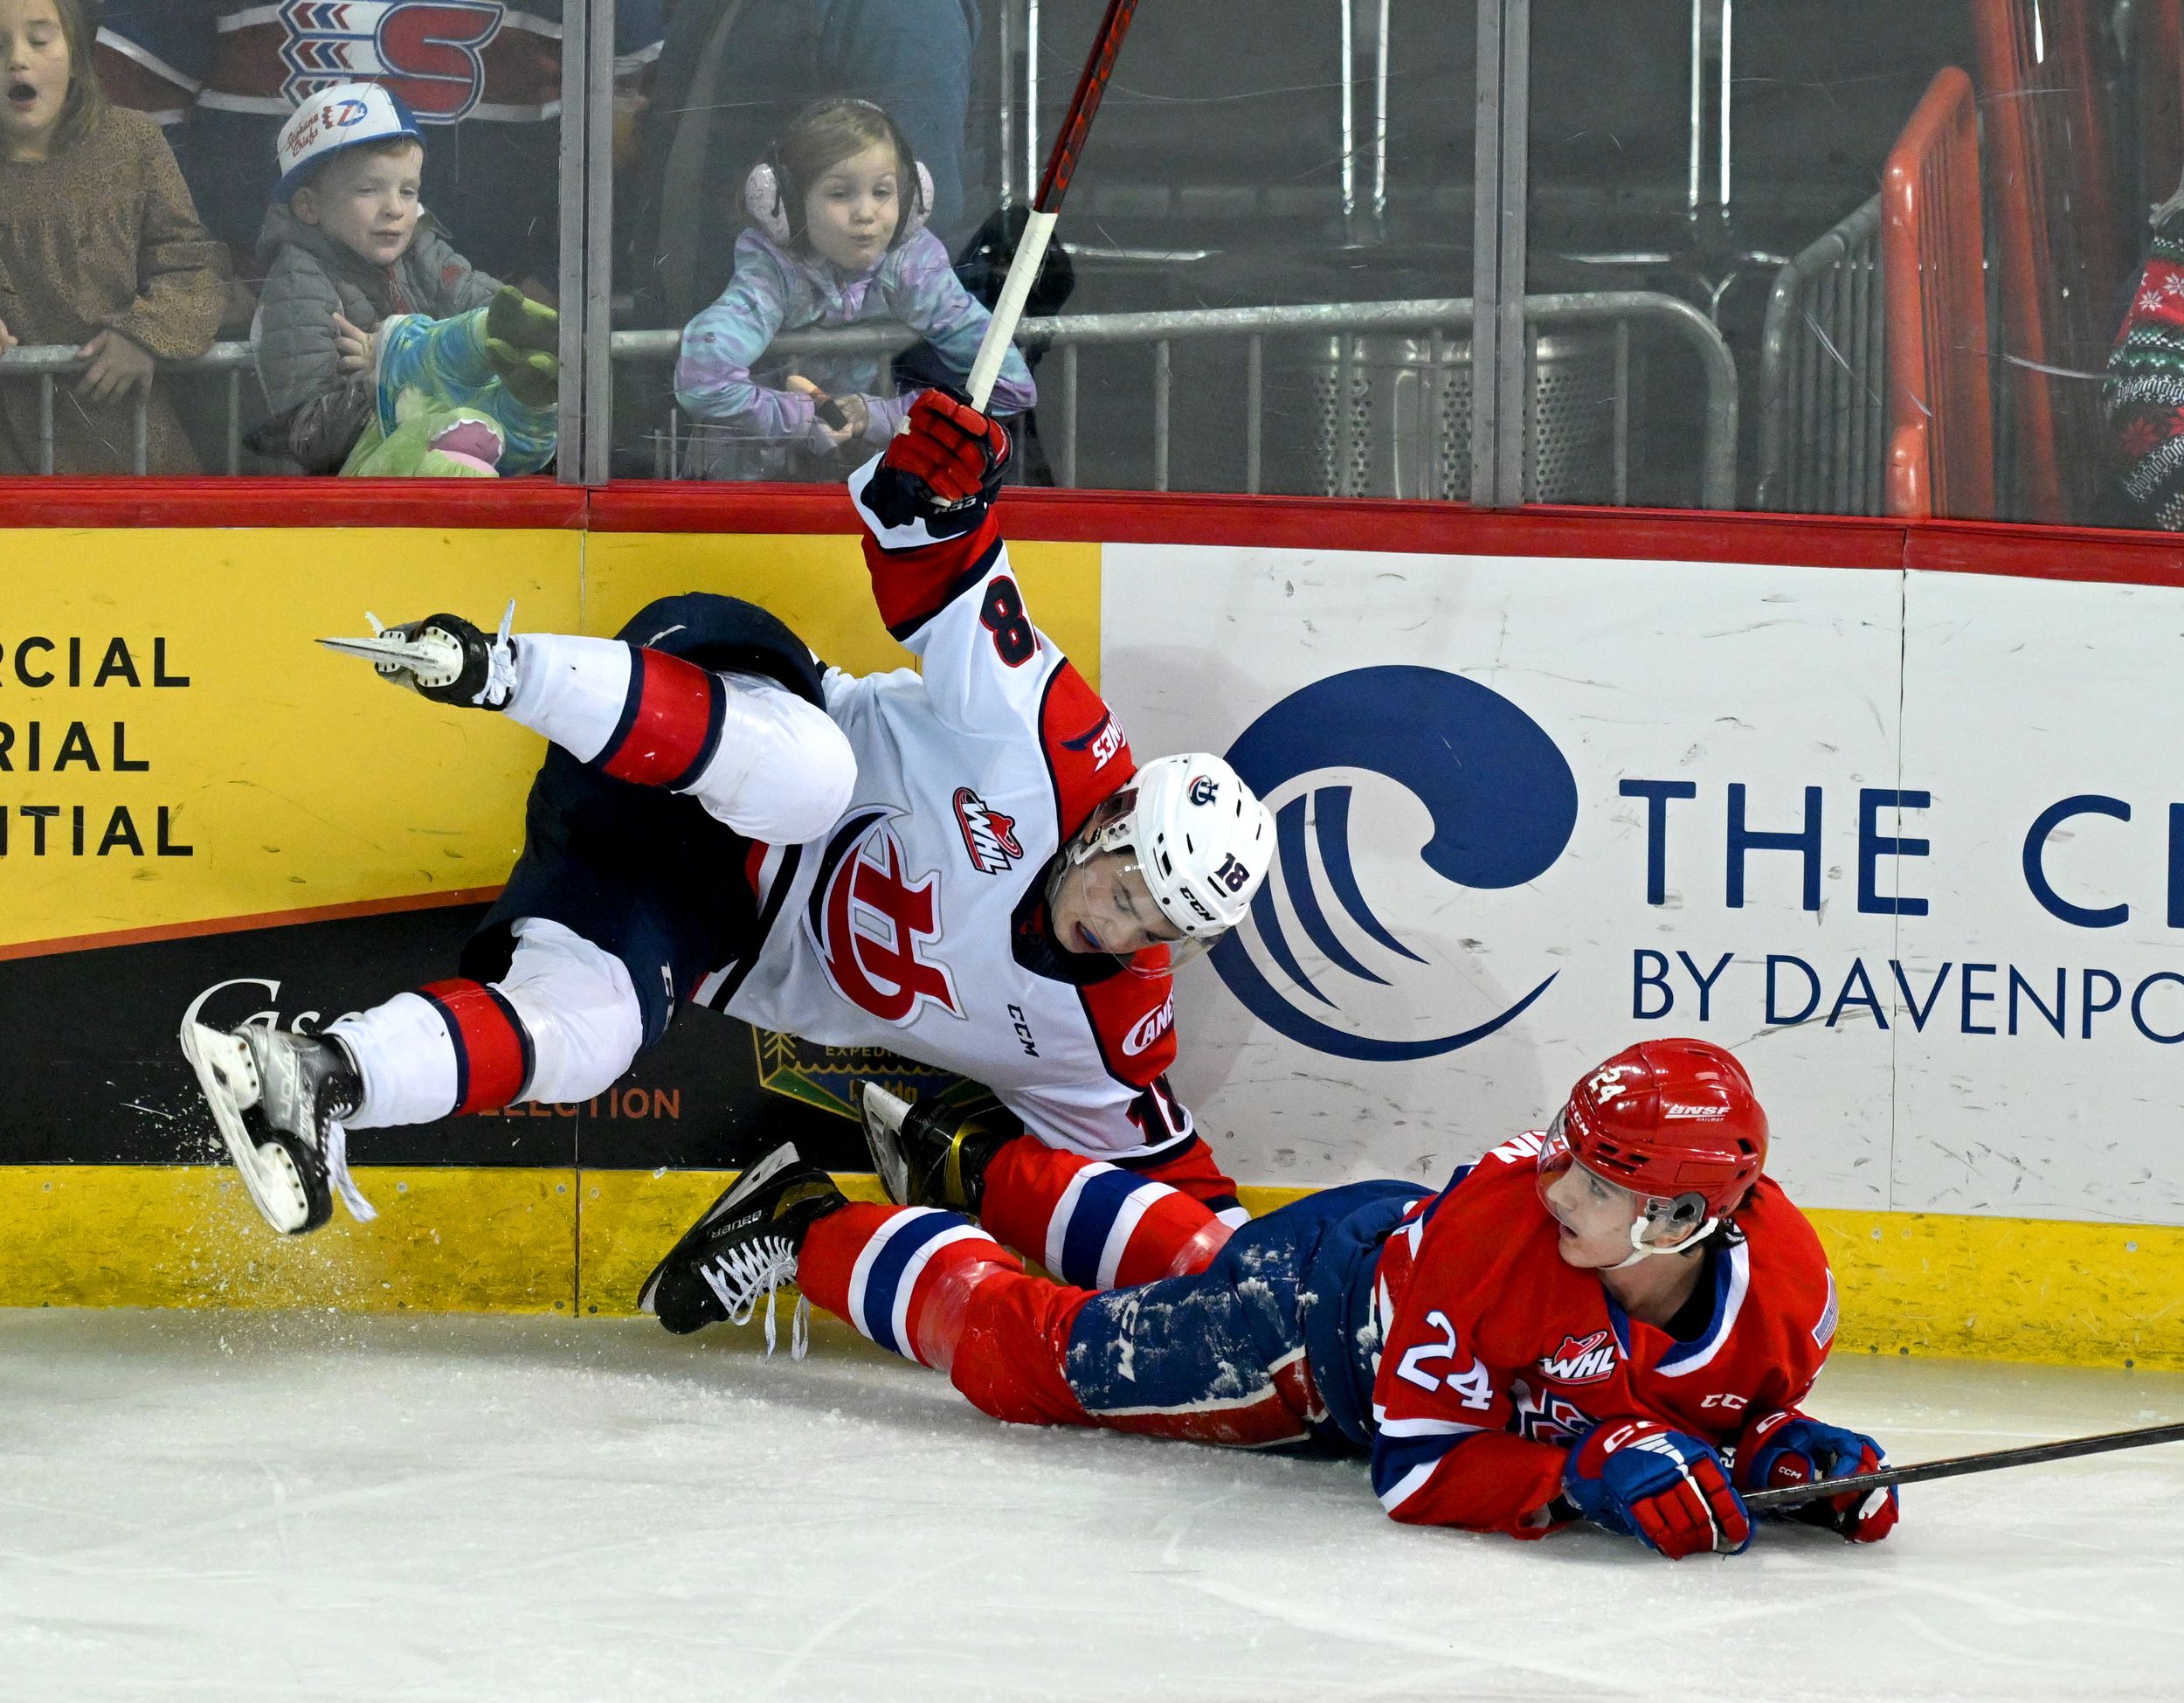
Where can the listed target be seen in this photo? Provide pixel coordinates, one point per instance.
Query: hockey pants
(665, 777)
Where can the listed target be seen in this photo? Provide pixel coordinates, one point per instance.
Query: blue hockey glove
(1786, 1447)
(1665, 1488)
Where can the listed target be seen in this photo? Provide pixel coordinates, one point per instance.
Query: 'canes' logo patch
(1580, 1359)
(1149, 1028)
(1103, 739)
(871, 918)
(988, 836)
(428, 51)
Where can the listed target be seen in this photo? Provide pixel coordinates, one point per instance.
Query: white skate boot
(279, 1098)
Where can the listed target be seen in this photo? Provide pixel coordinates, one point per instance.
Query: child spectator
(2143, 397)
(364, 297)
(99, 249)
(837, 237)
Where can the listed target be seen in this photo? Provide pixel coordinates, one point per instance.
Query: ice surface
(245, 1506)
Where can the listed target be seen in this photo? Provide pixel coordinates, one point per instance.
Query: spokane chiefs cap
(333, 118)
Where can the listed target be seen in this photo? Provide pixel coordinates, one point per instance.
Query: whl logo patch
(430, 52)
(874, 918)
(1580, 1359)
(988, 836)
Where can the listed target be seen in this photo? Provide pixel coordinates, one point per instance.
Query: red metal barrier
(2051, 176)
(1940, 419)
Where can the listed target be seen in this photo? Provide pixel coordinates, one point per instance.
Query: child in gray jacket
(366, 297)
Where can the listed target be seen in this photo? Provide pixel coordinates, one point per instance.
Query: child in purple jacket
(838, 238)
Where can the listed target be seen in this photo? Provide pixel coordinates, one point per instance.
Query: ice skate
(278, 1099)
(743, 1249)
(442, 657)
(929, 1154)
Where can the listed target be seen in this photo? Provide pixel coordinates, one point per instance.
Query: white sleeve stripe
(1426, 1428)
(1406, 1487)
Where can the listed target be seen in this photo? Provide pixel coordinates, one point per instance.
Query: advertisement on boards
(1912, 844)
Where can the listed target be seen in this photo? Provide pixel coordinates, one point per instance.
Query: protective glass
(1105, 895)
(1557, 1158)
(1261, 276)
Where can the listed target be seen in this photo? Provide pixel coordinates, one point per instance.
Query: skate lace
(336, 1151)
(500, 686)
(743, 1275)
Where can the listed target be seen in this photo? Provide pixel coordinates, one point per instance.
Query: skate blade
(225, 1076)
(435, 660)
(775, 1162)
(881, 1114)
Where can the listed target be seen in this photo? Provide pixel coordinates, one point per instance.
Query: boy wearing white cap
(364, 297)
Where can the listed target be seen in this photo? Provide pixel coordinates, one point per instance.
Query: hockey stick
(1061, 165)
(1957, 1466)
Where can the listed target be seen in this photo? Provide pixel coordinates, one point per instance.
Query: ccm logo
(1734, 1403)
(1149, 1028)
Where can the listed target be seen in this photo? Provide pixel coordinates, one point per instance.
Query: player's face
(1103, 905)
(1595, 1216)
(366, 201)
(33, 77)
(851, 214)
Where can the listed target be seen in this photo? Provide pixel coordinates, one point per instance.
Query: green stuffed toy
(430, 441)
(468, 397)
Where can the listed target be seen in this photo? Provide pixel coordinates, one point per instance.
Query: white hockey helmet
(1200, 837)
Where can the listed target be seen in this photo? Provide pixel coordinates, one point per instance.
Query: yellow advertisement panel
(175, 749)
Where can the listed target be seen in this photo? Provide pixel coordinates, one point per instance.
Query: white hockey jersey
(916, 924)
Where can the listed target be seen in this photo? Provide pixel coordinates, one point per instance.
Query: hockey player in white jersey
(965, 865)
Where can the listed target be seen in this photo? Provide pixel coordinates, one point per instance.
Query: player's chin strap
(1641, 1249)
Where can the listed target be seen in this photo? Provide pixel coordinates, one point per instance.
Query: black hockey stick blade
(1957, 1465)
(1084, 106)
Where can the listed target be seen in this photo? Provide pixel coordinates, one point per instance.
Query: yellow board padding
(817, 583)
(2018, 1289)
(630, 1218)
(296, 778)
(498, 1240)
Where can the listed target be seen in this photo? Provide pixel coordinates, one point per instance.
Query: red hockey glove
(1787, 1448)
(948, 454)
(1665, 1488)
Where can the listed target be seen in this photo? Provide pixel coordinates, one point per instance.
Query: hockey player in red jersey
(964, 865)
(1613, 1322)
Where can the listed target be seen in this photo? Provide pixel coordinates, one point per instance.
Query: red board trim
(1288, 522)
(507, 504)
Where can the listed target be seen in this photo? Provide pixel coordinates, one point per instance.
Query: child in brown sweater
(99, 249)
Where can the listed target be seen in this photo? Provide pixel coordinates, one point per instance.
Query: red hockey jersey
(1495, 1355)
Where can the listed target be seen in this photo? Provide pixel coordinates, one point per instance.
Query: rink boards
(1898, 815)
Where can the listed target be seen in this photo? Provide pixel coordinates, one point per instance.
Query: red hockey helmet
(1669, 1119)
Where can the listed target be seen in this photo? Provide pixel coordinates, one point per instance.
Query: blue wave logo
(1501, 801)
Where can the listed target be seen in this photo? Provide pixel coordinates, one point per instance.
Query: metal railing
(50, 363)
(1824, 376)
(1156, 333)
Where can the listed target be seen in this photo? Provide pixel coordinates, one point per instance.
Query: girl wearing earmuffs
(838, 238)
